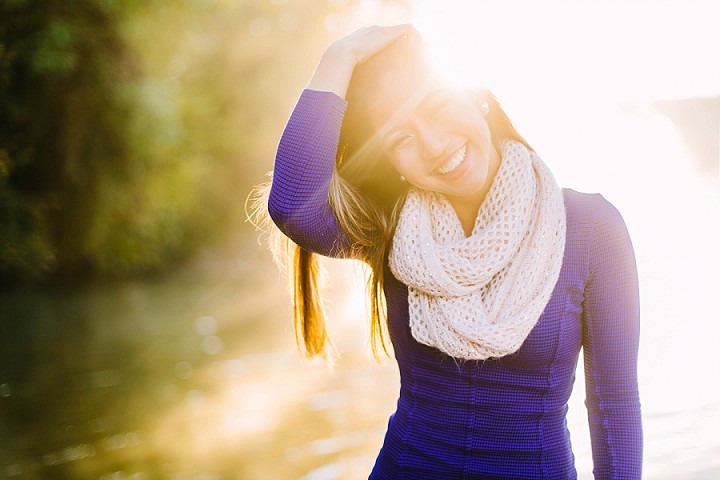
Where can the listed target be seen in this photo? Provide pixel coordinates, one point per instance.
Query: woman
(491, 276)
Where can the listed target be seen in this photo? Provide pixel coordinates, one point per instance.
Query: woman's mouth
(454, 162)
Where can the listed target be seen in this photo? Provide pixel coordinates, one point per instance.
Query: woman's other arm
(610, 345)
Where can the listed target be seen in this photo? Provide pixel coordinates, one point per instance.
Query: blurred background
(145, 332)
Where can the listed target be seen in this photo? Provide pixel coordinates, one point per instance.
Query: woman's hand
(339, 60)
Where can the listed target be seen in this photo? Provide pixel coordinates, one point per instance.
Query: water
(195, 376)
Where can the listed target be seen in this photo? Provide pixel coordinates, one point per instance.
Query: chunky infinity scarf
(480, 296)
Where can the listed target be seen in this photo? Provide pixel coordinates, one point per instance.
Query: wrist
(334, 71)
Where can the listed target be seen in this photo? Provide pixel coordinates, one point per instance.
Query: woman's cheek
(399, 163)
(406, 162)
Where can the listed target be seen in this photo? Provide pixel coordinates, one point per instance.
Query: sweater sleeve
(610, 346)
(304, 163)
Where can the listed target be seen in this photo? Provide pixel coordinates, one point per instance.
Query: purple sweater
(500, 418)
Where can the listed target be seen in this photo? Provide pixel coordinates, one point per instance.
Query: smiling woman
(450, 137)
(490, 276)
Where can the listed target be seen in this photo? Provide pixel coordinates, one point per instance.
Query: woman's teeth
(454, 162)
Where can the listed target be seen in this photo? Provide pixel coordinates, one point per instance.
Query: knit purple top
(500, 418)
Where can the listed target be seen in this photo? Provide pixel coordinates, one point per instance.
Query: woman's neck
(467, 208)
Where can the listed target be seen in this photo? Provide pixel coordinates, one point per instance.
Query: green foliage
(24, 242)
(56, 52)
(131, 132)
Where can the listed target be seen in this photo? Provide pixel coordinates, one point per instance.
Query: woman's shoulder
(592, 215)
(589, 206)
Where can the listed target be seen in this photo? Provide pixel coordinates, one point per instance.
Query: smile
(454, 162)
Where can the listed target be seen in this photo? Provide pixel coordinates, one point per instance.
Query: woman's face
(438, 139)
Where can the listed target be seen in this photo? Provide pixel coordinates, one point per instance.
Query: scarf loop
(479, 297)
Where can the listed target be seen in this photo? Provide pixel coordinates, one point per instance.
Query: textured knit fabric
(479, 296)
(497, 418)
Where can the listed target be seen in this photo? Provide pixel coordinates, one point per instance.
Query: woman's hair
(366, 195)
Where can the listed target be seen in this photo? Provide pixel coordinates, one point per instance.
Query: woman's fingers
(367, 41)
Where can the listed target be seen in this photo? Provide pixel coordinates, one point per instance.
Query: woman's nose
(432, 141)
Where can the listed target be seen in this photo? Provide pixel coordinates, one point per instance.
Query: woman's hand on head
(366, 42)
(339, 60)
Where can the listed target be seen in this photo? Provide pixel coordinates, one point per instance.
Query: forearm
(616, 434)
(333, 72)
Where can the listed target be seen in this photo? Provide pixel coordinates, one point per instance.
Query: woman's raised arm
(305, 159)
(304, 163)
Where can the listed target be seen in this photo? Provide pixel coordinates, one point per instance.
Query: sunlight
(600, 50)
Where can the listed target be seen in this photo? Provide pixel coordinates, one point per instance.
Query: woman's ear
(500, 125)
(484, 108)
(481, 99)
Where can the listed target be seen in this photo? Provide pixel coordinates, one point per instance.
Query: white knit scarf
(480, 296)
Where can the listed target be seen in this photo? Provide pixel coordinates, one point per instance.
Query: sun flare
(522, 47)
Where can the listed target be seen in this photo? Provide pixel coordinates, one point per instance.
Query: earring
(484, 107)
(403, 179)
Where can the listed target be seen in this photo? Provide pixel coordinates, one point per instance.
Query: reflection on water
(179, 378)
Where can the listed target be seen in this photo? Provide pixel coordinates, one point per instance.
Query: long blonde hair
(366, 195)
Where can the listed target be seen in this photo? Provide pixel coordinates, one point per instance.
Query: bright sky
(608, 49)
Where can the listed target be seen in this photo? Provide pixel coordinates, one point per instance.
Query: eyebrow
(429, 96)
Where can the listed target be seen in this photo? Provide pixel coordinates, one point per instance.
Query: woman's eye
(401, 142)
(439, 105)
